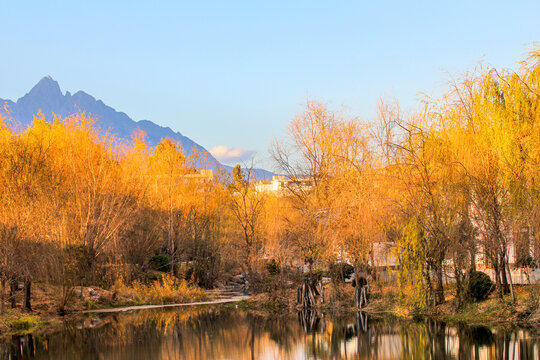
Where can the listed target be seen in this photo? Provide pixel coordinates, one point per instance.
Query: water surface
(223, 332)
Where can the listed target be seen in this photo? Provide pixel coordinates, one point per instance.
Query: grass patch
(96, 305)
(93, 305)
(26, 324)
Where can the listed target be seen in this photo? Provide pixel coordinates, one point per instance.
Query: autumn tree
(246, 205)
(167, 165)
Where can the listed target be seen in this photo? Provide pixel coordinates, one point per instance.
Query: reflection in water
(225, 333)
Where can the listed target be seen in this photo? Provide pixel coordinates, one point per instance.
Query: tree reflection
(226, 333)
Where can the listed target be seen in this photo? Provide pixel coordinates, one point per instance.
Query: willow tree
(425, 165)
(483, 134)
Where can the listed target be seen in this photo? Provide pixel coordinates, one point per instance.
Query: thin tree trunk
(170, 227)
(311, 296)
(510, 281)
(12, 290)
(429, 287)
(472, 265)
(357, 284)
(504, 279)
(82, 291)
(497, 272)
(460, 289)
(439, 290)
(363, 297)
(27, 306)
(322, 291)
(2, 295)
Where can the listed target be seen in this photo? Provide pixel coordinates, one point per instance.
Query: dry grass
(168, 291)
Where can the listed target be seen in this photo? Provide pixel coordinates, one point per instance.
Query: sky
(231, 74)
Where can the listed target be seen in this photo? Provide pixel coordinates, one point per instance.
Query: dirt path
(142, 307)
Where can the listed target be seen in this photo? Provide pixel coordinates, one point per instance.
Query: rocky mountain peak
(47, 87)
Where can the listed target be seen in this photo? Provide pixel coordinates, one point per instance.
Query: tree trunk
(170, 225)
(249, 267)
(173, 253)
(497, 272)
(510, 280)
(439, 290)
(322, 291)
(357, 284)
(363, 296)
(2, 295)
(12, 290)
(472, 265)
(429, 287)
(27, 306)
(460, 283)
(307, 295)
(504, 279)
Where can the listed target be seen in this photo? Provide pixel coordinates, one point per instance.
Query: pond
(224, 332)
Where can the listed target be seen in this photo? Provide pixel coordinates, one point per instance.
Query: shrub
(340, 293)
(273, 267)
(161, 262)
(151, 276)
(76, 264)
(526, 262)
(341, 271)
(480, 285)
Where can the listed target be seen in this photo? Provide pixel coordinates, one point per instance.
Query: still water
(221, 332)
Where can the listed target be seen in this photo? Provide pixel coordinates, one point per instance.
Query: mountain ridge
(46, 96)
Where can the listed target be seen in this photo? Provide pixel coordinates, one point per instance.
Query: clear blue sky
(233, 73)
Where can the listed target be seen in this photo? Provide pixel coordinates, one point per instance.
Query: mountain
(47, 97)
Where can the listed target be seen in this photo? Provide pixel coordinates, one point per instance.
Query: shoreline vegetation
(441, 197)
(383, 304)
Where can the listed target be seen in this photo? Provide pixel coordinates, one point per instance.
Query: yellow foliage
(168, 291)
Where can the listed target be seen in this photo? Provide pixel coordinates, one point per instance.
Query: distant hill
(47, 97)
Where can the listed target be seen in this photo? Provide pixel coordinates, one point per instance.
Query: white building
(281, 183)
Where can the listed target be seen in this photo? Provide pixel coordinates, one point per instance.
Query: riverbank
(383, 302)
(493, 311)
(52, 304)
